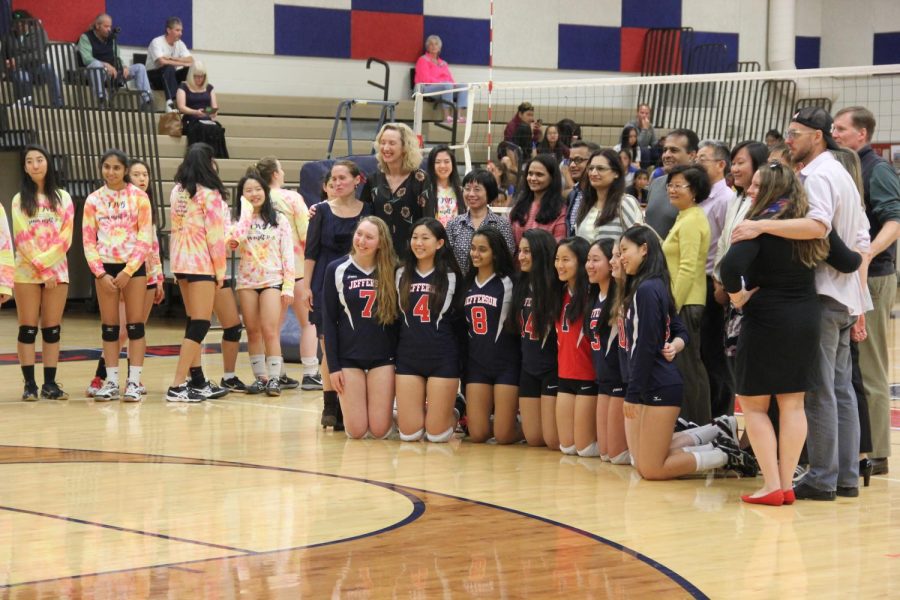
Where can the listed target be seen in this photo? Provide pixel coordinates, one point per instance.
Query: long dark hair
(623, 141)
(454, 175)
(444, 263)
(606, 246)
(502, 263)
(613, 202)
(28, 192)
(197, 169)
(267, 211)
(149, 192)
(552, 200)
(759, 155)
(538, 282)
(578, 305)
(654, 266)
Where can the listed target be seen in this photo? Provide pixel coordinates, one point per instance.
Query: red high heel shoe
(775, 498)
(789, 496)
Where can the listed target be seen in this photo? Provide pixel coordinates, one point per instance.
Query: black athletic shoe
(234, 385)
(288, 383)
(804, 491)
(330, 410)
(52, 391)
(273, 387)
(738, 460)
(183, 393)
(311, 382)
(847, 492)
(257, 387)
(30, 393)
(209, 390)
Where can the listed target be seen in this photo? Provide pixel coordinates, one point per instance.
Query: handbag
(170, 124)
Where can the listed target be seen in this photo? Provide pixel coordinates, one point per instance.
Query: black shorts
(535, 386)
(151, 287)
(366, 365)
(271, 287)
(506, 375)
(578, 387)
(116, 268)
(447, 368)
(194, 277)
(616, 389)
(671, 395)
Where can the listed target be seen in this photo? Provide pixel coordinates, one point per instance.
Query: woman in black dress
(399, 191)
(196, 101)
(773, 279)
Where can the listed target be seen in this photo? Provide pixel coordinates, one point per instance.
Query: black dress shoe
(847, 492)
(879, 466)
(804, 491)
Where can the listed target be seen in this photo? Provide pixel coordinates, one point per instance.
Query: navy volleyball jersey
(538, 351)
(427, 334)
(486, 308)
(351, 329)
(604, 345)
(647, 328)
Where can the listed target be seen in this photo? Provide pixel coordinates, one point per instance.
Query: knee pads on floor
(135, 331)
(196, 330)
(110, 333)
(27, 334)
(232, 334)
(412, 437)
(50, 335)
(590, 451)
(441, 437)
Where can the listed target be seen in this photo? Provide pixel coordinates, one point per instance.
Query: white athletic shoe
(109, 391)
(132, 392)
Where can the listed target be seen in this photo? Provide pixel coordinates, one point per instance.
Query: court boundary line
(681, 581)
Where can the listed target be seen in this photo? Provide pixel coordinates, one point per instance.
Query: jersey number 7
(369, 297)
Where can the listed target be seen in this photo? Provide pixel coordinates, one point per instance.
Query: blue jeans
(23, 81)
(833, 439)
(462, 97)
(136, 73)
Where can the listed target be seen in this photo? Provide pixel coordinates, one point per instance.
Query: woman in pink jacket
(433, 74)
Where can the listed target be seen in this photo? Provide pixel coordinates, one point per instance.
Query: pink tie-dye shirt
(198, 232)
(267, 256)
(43, 239)
(155, 273)
(117, 228)
(7, 264)
(292, 206)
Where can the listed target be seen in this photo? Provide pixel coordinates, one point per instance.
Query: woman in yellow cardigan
(686, 248)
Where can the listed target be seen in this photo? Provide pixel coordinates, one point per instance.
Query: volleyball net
(729, 107)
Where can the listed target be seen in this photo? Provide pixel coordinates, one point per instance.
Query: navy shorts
(535, 386)
(578, 387)
(365, 365)
(611, 388)
(116, 268)
(194, 277)
(671, 395)
(447, 367)
(506, 375)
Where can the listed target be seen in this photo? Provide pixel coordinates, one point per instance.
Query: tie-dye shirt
(155, 273)
(198, 232)
(43, 239)
(7, 265)
(267, 256)
(293, 207)
(117, 228)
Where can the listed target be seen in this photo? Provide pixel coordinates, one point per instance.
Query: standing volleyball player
(7, 261)
(358, 321)
(427, 351)
(43, 216)
(493, 361)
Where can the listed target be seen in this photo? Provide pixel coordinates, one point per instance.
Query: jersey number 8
(478, 316)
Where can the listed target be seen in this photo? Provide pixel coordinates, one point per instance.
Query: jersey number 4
(422, 310)
(369, 297)
(529, 328)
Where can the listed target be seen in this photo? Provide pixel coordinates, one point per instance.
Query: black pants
(167, 79)
(712, 352)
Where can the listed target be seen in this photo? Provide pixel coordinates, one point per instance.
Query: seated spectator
(551, 144)
(433, 74)
(628, 142)
(774, 138)
(780, 153)
(569, 132)
(524, 117)
(506, 182)
(511, 156)
(196, 101)
(25, 54)
(539, 203)
(646, 135)
(168, 60)
(630, 167)
(638, 187)
(100, 54)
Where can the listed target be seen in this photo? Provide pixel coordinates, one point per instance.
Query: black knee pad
(135, 331)
(110, 333)
(27, 334)
(196, 330)
(187, 324)
(50, 335)
(232, 334)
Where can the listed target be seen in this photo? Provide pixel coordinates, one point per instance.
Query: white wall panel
(235, 26)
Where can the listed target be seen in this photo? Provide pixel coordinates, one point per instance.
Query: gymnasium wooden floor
(246, 496)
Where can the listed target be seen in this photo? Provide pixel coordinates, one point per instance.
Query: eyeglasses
(578, 160)
(598, 169)
(675, 186)
(793, 133)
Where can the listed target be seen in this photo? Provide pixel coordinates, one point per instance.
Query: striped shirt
(629, 214)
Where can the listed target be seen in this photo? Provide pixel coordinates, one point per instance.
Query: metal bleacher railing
(48, 98)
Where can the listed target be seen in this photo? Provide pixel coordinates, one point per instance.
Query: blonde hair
(385, 264)
(266, 167)
(850, 161)
(412, 155)
(198, 68)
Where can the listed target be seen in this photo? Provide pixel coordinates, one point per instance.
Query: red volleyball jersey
(574, 355)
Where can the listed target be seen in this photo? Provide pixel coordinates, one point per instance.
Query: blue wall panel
(302, 31)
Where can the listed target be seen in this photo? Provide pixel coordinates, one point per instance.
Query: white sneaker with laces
(109, 391)
(132, 392)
